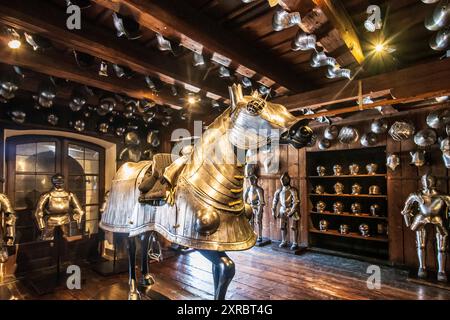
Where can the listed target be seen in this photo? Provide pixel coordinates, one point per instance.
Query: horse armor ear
(236, 95)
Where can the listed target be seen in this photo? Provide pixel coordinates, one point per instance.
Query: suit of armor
(428, 207)
(287, 196)
(54, 208)
(7, 227)
(254, 196)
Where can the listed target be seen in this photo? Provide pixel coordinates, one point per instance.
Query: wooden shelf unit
(376, 245)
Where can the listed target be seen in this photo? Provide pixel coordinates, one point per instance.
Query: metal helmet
(324, 144)
(132, 139)
(425, 137)
(379, 126)
(369, 139)
(392, 161)
(438, 118)
(331, 133)
(441, 40)
(153, 140)
(440, 17)
(401, 130)
(348, 135)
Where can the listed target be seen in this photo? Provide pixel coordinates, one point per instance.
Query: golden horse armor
(204, 207)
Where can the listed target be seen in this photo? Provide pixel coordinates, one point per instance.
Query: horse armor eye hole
(254, 107)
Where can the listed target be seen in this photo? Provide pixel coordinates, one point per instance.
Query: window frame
(61, 165)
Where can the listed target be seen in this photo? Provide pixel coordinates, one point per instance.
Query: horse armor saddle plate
(154, 187)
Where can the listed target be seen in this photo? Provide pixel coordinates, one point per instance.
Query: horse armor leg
(223, 271)
(134, 293)
(147, 279)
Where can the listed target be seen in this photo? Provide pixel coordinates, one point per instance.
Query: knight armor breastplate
(253, 197)
(432, 205)
(286, 199)
(58, 203)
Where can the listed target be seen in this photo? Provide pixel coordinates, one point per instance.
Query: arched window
(33, 160)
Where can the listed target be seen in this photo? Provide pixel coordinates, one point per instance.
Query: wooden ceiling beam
(177, 20)
(405, 83)
(337, 14)
(54, 65)
(49, 21)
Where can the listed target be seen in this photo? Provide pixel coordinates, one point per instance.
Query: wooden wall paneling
(395, 205)
(409, 185)
(2, 157)
(304, 198)
(293, 170)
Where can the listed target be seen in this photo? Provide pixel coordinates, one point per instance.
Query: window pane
(91, 154)
(43, 183)
(91, 197)
(91, 166)
(91, 213)
(76, 166)
(27, 149)
(76, 183)
(25, 200)
(91, 182)
(25, 183)
(46, 157)
(92, 227)
(25, 163)
(76, 152)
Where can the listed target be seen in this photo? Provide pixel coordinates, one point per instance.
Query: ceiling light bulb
(191, 100)
(14, 43)
(379, 47)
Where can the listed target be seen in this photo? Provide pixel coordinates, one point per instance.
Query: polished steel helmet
(379, 126)
(348, 135)
(418, 158)
(369, 139)
(320, 206)
(438, 118)
(364, 229)
(324, 144)
(331, 133)
(440, 17)
(338, 207)
(52, 119)
(18, 116)
(374, 190)
(356, 188)
(356, 207)
(319, 189)
(344, 228)
(79, 125)
(153, 139)
(132, 139)
(375, 209)
(392, 161)
(323, 225)
(401, 130)
(106, 105)
(425, 137)
(440, 40)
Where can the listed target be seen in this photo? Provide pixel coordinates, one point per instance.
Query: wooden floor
(261, 274)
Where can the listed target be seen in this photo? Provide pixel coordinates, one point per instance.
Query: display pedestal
(111, 267)
(264, 242)
(119, 291)
(287, 249)
(430, 281)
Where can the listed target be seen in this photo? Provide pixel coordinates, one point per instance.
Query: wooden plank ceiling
(241, 32)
